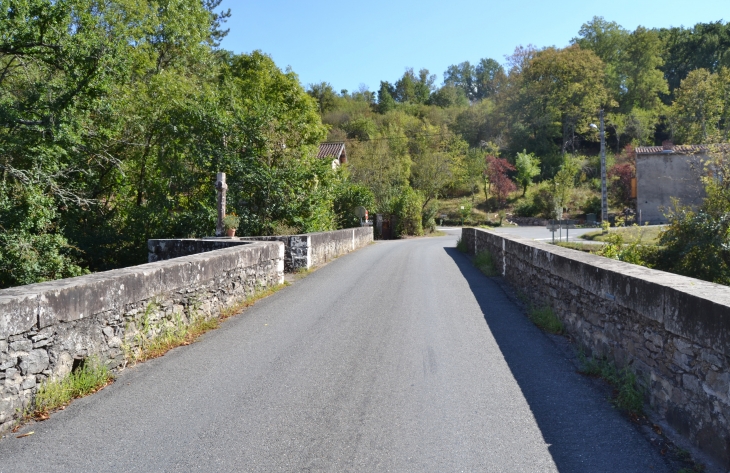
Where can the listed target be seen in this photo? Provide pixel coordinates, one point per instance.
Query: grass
(181, 334)
(647, 235)
(588, 248)
(545, 318)
(436, 233)
(90, 377)
(628, 396)
(461, 245)
(483, 262)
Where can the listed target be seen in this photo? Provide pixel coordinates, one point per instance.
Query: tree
(643, 82)
(324, 94)
(528, 167)
(496, 180)
(489, 78)
(448, 96)
(564, 86)
(697, 111)
(462, 77)
(704, 46)
(563, 184)
(412, 89)
(608, 40)
(386, 102)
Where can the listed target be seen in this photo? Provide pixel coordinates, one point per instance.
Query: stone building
(667, 172)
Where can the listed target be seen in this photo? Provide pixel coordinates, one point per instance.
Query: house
(335, 151)
(668, 172)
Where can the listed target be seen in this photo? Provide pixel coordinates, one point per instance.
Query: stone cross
(221, 187)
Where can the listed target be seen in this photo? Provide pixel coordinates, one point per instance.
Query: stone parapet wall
(46, 329)
(164, 249)
(301, 251)
(528, 221)
(672, 331)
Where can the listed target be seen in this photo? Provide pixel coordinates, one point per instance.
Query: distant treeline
(653, 85)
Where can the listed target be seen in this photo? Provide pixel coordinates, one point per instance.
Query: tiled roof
(334, 150)
(679, 149)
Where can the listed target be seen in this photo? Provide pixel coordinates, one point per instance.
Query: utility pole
(604, 195)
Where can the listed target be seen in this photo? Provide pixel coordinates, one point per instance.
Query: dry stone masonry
(301, 251)
(49, 328)
(672, 331)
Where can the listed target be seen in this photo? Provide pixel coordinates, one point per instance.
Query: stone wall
(672, 331)
(528, 221)
(160, 250)
(661, 177)
(46, 329)
(301, 251)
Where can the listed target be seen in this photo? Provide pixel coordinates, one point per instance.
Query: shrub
(483, 261)
(545, 318)
(408, 209)
(526, 208)
(429, 215)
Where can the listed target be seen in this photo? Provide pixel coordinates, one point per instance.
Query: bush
(349, 196)
(592, 205)
(429, 215)
(526, 208)
(696, 245)
(408, 210)
(483, 261)
(32, 247)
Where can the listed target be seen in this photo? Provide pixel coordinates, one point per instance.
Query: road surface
(400, 357)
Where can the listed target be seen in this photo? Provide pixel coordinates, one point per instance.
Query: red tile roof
(333, 150)
(679, 149)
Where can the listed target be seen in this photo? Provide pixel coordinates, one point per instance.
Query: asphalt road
(543, 234)
(400, 357)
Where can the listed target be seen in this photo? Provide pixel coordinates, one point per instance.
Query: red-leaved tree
(620, 176)
(496, 180)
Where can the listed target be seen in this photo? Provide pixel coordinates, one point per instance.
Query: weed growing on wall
(461, 245)
(628, 395)
(545, 318)
(89, 378)
(483, 261)
(156, 339)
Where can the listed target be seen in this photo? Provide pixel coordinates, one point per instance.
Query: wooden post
(221, 187)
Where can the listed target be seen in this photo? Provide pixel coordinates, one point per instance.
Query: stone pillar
(221, 187)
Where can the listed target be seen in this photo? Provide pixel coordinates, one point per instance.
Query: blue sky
(349, 43)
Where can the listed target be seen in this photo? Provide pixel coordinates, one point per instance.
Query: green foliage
(545, 318)
(461, 245)
(634, 252)
(528, 167)
(483, 261)
(231, 222)
(695, 244)
(32, 249)
(628, 396)
(408, 210)
(348, 197)
(563, 184)
(702, 101)
(430, 211)
(465, 210)
(51, 395)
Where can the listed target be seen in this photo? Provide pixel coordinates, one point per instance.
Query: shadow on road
(583, 431)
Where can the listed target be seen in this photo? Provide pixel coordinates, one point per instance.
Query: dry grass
(647, 235)
(182, 335)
